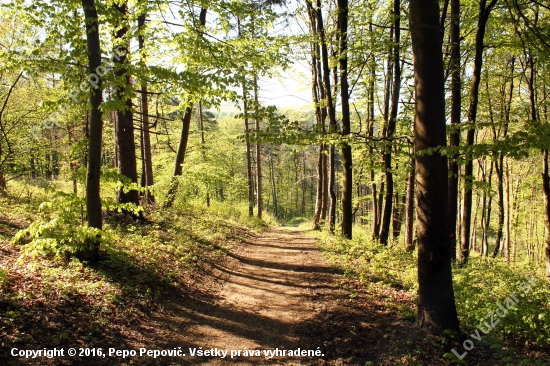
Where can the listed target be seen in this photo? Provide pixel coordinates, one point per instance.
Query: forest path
(276, 290)
(269, 292)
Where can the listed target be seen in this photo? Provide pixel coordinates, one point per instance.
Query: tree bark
(390, 130)
(546, 191)
(347, 171)
(145, 135)
(248, 154)
(484, 11)
(456, 104)
(331, 115)
(125, 123)
(273, 182)
(203, 149)
(93, 171)
(259, 200)
(436, 303)
(409, 219)
(500, 164)
(182, 146)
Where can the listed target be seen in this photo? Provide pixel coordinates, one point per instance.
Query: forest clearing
(271, 182)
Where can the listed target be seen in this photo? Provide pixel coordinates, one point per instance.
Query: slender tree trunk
(331, 115)
(180, 157)
(248, 154)
(347, 171)
(93, 172)
(436, 303)
(182, 146)
(500, 163)
(375, 203)
(456, 104)
(203, 150)
(145, 135)
(484, 11)
(398, 213)
(259, 200)
(488, 199)
(385, 229)
(409, 220)
(317, 93)
(507, 240)
(273, 183)
(546, 191)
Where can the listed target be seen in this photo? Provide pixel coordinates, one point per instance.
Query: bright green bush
(479, 287)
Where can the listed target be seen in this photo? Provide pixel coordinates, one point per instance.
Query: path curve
(270, 293)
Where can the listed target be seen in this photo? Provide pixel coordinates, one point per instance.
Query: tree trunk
(546, 190)
(182, 146)
(248, 154)
(273, 183)
(145, 135)
(347, 172)
(409, 219)
(385, 229)
(507, 107)
(486, 220)
(507, 240)
(484, 11)
(125, 123)
(436, 303)
(456, 104)
(180, 157)
(93, 172)
(259, 200)
(331, 115)
(203, 150)
(317, 93)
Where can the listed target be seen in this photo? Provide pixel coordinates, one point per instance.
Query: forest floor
(272, 291)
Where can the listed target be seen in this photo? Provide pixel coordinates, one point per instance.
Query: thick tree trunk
(390, 130)
(456, 104)
(484, 11)
(347, 171)
(145, 135)
(125, 123)
(93, 172)
(436, 303)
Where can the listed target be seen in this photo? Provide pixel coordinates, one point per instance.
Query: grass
(480, 288)
(48, 300)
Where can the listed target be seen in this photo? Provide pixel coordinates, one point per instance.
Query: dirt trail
(269, 292)
(277, 291)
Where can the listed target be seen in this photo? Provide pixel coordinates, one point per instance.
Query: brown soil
(274, 291)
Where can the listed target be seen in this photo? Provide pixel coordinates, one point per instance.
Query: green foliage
(479, 287)
(478, 294)
(372, 262)
(60, 230)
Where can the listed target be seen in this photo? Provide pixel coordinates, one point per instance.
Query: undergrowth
(141, 262)
(480, 288)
